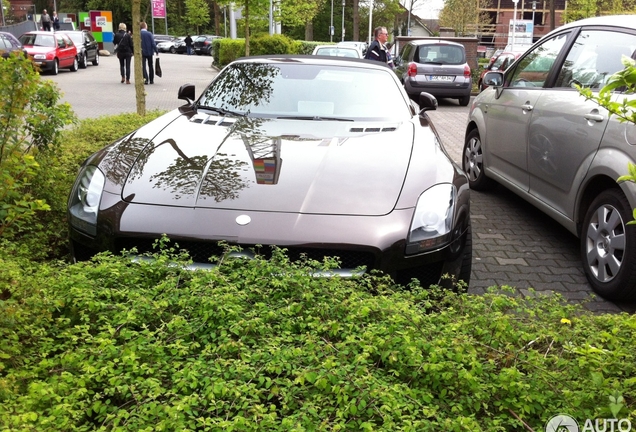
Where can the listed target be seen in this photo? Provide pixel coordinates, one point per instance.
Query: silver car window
(595, 55)
(534, 67)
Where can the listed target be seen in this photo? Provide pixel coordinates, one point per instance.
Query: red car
(501, 62)
(50, 51)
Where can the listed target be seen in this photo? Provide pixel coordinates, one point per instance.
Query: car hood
(272, 165)
(32, 50)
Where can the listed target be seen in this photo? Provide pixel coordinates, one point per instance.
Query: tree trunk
(247, 28)
(140, 92)
(217, 18)
(552, 17)
(309, 31)
(356, 21)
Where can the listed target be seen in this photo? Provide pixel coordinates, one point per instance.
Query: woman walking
(124, 49)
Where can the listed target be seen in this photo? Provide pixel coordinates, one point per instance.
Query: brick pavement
(513, 243)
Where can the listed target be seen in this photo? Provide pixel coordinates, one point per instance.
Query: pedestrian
(124, 49)
(45, 21)
(377, 50)
(188, 42)
(56, 21)
(148, 48)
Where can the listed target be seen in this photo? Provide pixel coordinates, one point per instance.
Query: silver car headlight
(432, 223)
(84, 200)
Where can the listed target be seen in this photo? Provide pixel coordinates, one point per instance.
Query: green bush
(275, 44)
(263, 345)
(229, 50)
(47, 233)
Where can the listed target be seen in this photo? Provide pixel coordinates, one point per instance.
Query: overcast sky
(428, 8)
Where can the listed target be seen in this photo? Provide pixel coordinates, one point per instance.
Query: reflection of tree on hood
(241, 87)
(218, 176)
(125, 159)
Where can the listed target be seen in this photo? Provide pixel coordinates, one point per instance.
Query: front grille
(428, 274)
(200, 252)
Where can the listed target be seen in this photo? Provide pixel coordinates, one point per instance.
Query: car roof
(434, 42)
(314, 60)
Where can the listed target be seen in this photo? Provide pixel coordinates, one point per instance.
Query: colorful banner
(158, 8)
(100, 24)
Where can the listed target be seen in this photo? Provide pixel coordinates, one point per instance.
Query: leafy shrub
(30, 122)
(46, 235)
(229, 50)
(275, 44)
(264, 345)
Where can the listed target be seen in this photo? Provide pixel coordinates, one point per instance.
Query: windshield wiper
(221, 111)
(315, 118)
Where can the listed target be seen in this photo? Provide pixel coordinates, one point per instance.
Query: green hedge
(265, 346)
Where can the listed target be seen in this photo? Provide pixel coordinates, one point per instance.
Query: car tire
(56, 67)
(96, 61)
(473, 162)
(173, 50)
(464, 100)
(74, 66)
(83, 63)
(608, 247)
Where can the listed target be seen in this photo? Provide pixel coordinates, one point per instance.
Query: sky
(428, 9)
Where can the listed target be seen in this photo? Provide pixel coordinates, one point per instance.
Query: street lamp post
(343, 29)
(370, 22)
(514, 23)
(331, 26)
(534, 9)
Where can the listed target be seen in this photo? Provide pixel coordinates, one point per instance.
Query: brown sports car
(324, 157)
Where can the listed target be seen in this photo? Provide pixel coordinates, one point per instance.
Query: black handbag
(158, 68)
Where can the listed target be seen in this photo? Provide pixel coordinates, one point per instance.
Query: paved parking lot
(513, 243)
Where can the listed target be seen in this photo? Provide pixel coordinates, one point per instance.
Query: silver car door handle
(527, 107)
(594, 117)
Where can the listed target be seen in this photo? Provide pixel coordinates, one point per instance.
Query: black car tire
(473, 162)
(464, 100)
(608, 247)
(96, 61)
(173, 50)
(83, 62)
(74, 66)
(56, 67)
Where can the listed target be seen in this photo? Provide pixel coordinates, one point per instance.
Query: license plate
(441, 78)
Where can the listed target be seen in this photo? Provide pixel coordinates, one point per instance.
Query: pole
(514, 23)
(370, 22)
(2, 10)
(408, 20)
(271, 13)
(343, 29)
(331, 26)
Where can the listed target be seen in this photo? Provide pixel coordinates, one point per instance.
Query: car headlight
(84, 200)
(40, 56)
(432, 222)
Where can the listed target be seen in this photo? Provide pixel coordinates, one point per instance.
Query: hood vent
(212, 120)
(373, 129)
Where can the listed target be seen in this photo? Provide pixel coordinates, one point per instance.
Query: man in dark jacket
(377, 50)
(148, 48)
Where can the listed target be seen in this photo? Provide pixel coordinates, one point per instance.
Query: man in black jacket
(377, 50)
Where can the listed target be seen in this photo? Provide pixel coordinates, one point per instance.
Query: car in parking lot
(202, 45)
(297, 156)
(169, 45)
(438, 67)
(536, 135)
(337, 51)
(360, 46)
(50, 51)
(10, 44)
(87, 46)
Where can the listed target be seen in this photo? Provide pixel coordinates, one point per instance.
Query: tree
(578, 9)
(197, 13)
(140, 92)
(465, 17)
(294, 13)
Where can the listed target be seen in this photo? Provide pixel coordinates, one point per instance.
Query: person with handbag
(124, 49)
(148, 48)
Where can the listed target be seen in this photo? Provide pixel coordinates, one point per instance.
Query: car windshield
(77, 38)
(313, 91)
(38, 40)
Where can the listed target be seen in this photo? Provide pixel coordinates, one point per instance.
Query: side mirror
(428, 102)
(494, 79)
(186, 92)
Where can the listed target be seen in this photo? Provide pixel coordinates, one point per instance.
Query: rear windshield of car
(304, 90)
(440, 54)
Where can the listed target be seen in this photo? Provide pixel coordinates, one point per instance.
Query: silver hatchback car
(532, 132)
(437, 67)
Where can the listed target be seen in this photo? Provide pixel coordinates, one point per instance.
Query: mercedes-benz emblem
(243, 220)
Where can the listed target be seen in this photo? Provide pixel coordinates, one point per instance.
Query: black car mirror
(186, 92)
(428, 102)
